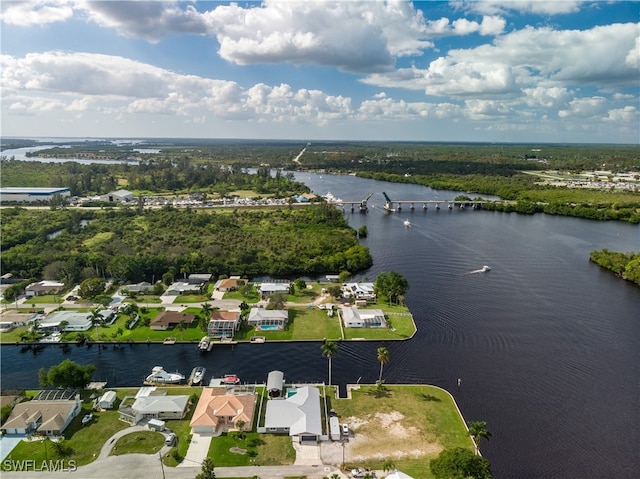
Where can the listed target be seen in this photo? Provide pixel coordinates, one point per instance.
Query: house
(224, 324)
(180, 288)
(275, 384)
(267, 289)
(268, 319)
(362, 291)
(170, 319)
(138, 288)
(73, 321)
(9, 320)
(352, 317)
(199, 279)
(149, 403)
(120, 196)
(229, 284)
(107, 400)
(43, 287)
(47, 414)
(298, 415)
(219, 410)
(333, 278)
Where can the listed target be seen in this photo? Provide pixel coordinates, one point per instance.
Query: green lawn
(262, 449)
(192, 298)
(45, 299)
(141, 442)
(428, 414)
(305, 324)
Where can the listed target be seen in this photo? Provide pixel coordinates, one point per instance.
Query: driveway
(198, 449)
(7, 443)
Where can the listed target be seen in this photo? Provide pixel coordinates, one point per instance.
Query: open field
(409, 425)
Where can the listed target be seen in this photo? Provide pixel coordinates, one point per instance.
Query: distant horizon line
(294, 140)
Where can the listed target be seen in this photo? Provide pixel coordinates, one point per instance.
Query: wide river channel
(546, 344)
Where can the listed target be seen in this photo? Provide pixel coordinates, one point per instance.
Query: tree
(181, 327)
(335, 291)
(96, 320)
(207, 470)
(62, 326)
(344, 276)
(240, 426)
(363, 232)
(206, 309)
(90, 288)
(329, 350)
(276, 301)
(67, 374)
(383, 357)
(478, 430)
(392, 285)
(300, 284)
(460, 463)
(388, 465)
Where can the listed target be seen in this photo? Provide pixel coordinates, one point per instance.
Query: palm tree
(383, 358)
(206, 310)
(96, 320)
(388, 465)
(329, 350)
(181, 326)
(478, 430)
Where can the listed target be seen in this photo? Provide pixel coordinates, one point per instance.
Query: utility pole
(161, 464)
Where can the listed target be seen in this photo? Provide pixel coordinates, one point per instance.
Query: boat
(204, 343)
(169, 341)
(407, 223)
(485, 268)
(87, 419)
(160, 376)
(230, 379)
(197, 375)
(258, 339)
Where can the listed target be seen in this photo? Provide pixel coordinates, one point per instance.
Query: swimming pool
(269, 327)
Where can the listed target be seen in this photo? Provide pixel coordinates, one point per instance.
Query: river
(546, 344)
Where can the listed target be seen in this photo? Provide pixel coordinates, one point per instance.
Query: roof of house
(225, 316)
(228, 283)
(44, 285)
(274, 287)
(275, 381)
(352, 313)
(173, 318)
(73, 318)
(257, 314)
(300, 412)
(200, 276)
(181, 286)
(159, 404)
(51, 414)
(121, 193)
(109, 396)
(215, 403)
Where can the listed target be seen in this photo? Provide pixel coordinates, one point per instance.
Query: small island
(624, 265)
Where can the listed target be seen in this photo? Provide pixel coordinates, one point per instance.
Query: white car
(358, 472)
(345, 430)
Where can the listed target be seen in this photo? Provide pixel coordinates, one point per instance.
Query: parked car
(345, 430)
(170, 440)
(358, 472)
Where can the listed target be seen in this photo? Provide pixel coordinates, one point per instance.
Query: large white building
(11, 194)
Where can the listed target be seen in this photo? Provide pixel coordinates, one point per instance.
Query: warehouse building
(31, 195)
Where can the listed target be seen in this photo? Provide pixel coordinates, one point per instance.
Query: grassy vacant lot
(407, 424)
(261, 449)
(142, 442)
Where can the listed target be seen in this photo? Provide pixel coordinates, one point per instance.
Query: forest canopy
(133, 246)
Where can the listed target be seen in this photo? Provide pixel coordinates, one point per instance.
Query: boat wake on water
(484, 269)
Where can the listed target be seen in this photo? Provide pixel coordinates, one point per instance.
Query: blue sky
(497, 71)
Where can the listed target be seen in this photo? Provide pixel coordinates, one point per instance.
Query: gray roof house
(154, 405)
(271, 318)
(298, 415)
(199, 278)
(267, 289)
(352, 317)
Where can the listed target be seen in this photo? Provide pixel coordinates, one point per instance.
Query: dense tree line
(625, 265)
(153, 176)
(132, 246)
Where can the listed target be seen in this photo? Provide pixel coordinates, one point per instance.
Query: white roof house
(107, 400)
(298, 415)
(75, 321)
(352, 317)
(359, 290)
(260, 317)
(273, 288)
(153, 406)
(43, 287)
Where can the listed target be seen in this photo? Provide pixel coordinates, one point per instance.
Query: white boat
(160, 376)
(485, 268)
(197, 376)
(204, 343)
(407, 223)
(230, 379)
(87, 419)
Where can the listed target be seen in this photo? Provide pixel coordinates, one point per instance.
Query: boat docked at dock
(197, 376)
(160, 376)
(204, 343)
(230, 379)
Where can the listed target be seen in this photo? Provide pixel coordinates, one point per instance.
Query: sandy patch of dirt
(380, 436)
